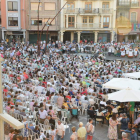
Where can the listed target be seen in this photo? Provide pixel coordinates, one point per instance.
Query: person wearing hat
(81, 132)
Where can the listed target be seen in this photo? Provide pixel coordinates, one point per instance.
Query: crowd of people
(45, 91)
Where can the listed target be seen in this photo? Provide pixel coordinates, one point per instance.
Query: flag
(135, 27)
(132, 27)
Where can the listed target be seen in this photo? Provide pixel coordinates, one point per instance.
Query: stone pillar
(3, 35)
(126, 38)
(61, 36)
(96, 37)
(72, 36)
(137, 38)
(112, 36)
(24, 36)
(79, 34)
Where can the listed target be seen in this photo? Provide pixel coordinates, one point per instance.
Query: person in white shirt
(42, 136)
(103, 102)
(42, 115)
(60, 131)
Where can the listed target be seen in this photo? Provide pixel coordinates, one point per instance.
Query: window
(71, 21)
(0, 5)
(46, 20)
(90, 19)
(106, 22)
(133, 16)
(34, 6)
(84, 19)
(105, 5)
(12, 21)
(71, 5)
(88, 5)
(12, 6)
(35, 21)
(49, 6)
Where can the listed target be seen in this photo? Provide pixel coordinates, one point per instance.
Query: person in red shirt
(10, 101)
(68, 97)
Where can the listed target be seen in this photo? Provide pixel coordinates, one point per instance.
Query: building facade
(92, 20)
(0, 22)
(47, 11)
(13, 20)
(128, 20)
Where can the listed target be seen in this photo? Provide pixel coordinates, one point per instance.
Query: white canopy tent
(132, 75)
(122, 83)
(126, 95)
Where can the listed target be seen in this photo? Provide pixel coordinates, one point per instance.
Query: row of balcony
(128, 3)
(88, 11)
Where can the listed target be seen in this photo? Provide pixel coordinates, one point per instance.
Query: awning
(123, 31)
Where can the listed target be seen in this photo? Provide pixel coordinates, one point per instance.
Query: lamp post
(38, 40)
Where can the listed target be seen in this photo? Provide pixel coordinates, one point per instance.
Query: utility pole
(51, 23)
(38, 38)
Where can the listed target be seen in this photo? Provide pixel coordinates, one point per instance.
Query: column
(96, 37)
(126, 38)
(3, 35)
(66, 21)
(24, 36)
(75, 21)
(79, 34)
(112, 35)
(137, 39)
(72, 36)
(101, 21)
(61, 36)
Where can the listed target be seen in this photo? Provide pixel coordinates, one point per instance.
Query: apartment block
(92, 20)
(13, 20)
(47, 10)
(128, 20)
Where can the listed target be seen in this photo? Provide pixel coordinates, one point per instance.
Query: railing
(85, 26)
(88, 11)
(134, 4)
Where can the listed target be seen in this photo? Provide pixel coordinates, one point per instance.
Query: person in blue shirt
(31, 126)
(133, 134)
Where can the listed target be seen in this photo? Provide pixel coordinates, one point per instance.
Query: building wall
(3, 13)
(97, 12)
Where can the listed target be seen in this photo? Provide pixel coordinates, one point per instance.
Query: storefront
(104, 36)
(52, 36)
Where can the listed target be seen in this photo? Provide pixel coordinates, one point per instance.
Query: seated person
(51, 120)
(68, 112)
(137, 121)
(91, 112)
(102, 102)
(99, 113)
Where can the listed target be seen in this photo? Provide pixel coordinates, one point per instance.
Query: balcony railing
(85, 26)
(88, 11)
(134, 4)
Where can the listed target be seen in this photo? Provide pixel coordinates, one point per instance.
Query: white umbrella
(132, 75)
(126, 95)
(122, 83)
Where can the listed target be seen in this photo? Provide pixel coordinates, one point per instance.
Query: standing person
(42, 115)
(25, 129)
(81, 132)
(131, 109)
(60, 100)
(74, 134)
(112, 130)
(90, 129)
(60, 131)
(53, 133)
